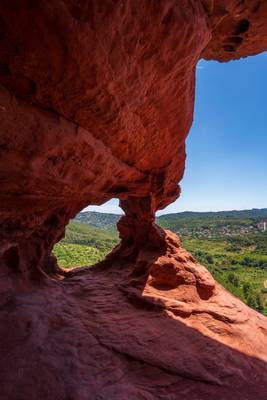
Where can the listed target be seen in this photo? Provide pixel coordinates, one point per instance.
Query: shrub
(233, 279)
(210, 259)
(246, 289)
(259, 303)
(255, 301)
(247, 261)
(234, 262)
(251, 301)
(262, 264)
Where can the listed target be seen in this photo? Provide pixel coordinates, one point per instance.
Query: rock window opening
(89, 237)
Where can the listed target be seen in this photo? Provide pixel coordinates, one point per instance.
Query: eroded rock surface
(159, 327)
(96, 101)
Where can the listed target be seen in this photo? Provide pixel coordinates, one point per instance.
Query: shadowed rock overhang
(96, 101)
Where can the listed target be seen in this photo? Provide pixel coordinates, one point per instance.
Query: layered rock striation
(96, 101)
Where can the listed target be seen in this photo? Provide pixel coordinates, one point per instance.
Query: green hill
(98, 220)
(84, 234)
(188, 222)
(254, 213)
(84, 245)
(211, 224)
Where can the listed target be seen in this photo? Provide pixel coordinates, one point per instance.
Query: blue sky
(226, 163)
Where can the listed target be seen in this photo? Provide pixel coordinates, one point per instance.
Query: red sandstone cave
(96, 101)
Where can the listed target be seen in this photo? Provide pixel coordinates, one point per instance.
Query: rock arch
(96, 101)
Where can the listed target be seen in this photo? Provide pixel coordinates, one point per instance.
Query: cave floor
(100, 334)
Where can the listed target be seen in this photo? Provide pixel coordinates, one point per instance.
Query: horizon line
(178, 212)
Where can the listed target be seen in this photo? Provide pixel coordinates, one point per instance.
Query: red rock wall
(101, 100)
(96, 101)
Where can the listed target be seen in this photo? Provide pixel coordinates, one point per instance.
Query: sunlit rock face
(96, 101)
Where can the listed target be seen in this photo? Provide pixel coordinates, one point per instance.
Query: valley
(231, 245)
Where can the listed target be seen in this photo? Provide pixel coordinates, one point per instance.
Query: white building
(262, 225)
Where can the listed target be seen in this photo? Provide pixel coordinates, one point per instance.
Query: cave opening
(89, 236)
(97, 101)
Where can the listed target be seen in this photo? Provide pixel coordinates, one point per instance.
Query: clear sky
(226, 163)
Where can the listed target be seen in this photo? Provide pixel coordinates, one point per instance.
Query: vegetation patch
(84, 245)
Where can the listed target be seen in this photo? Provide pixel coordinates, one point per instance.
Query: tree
(247, 261)
(234, 262)
(262, 264)
(233, 279)
(209, 259)
(251, 301)
(246, 289)
(259, 303)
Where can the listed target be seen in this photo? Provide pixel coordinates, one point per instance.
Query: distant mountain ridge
(97, 219)
(108, 220)
(253, 213)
